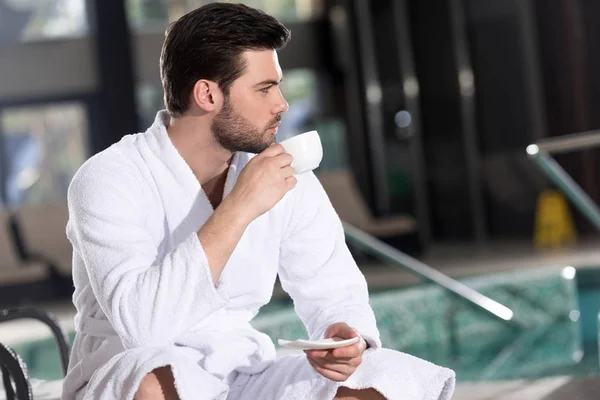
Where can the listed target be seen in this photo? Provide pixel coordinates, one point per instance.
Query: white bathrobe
(145, 296)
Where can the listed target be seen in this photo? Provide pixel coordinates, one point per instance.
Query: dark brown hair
(207, 43)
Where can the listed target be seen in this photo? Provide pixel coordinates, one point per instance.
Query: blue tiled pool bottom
(552, 335)
(428, 322)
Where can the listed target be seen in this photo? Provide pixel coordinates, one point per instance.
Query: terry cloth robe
(145, 297)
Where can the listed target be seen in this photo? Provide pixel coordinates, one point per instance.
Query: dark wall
(441, 121)
(496, 54)
(563, 46)
(569, 40)
(511, 183)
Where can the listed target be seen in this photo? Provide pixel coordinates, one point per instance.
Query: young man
(179, 233)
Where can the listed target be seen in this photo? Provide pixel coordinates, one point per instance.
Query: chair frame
(12, 366)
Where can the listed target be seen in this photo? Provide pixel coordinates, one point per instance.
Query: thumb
(341, 330)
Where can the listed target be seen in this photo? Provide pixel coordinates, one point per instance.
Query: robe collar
(180, 169)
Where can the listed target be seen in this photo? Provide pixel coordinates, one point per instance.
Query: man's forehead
(262, 65)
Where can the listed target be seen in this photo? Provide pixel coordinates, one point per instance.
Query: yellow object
(553, 223)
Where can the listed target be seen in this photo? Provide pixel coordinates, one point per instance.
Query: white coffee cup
(306, 149)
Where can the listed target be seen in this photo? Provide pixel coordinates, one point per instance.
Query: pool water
(588, 284)
(556, 330)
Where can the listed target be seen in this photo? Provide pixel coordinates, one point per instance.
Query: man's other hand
(338, 364)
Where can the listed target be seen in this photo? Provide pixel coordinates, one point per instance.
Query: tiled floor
(511, 390)
(558, 388)
(459, 261)
(579, 389)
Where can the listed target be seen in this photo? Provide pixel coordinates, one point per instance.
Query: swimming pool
(556, 311)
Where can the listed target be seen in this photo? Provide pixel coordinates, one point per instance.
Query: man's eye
(265, 90)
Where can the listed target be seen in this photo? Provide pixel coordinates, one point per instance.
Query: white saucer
(324, 344)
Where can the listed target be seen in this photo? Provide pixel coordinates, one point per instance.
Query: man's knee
(157, 385)
(345, 393)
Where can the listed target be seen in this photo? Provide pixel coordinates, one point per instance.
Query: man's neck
(215, 188)
(193, 139)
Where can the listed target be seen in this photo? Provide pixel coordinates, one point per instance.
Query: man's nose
(281, 107)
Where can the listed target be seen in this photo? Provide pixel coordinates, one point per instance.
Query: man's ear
(207, 95)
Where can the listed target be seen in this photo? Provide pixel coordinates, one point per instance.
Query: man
(179, 233)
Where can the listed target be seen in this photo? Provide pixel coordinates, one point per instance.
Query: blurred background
(425, 109)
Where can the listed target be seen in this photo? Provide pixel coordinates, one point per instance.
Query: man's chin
(268, 143)
(255, 149)
(265, 147)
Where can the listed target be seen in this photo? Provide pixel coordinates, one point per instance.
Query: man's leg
(157, 385)
(344, 393)
(291, 376)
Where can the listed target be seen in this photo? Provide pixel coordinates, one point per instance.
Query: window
(158, 13)
(149, 102)
(44, 147)
(300, 88)
(31, 20)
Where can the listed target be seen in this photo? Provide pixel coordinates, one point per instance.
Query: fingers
(327, 356)
(344, 331)
(340, 353)
(343, 368)
(288, 171)
(334, 376)
(283, 160)
(337, 364)
(290, 182)
(279, 155)
(335, 372)
(349, 352)
(273, 150)
(275, 159)
(330, 358)
(317, 353)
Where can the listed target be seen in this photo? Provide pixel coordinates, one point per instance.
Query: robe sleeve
(317, 269)
(148, 302)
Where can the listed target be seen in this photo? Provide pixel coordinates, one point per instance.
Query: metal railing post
(399, 259)
(541, 152)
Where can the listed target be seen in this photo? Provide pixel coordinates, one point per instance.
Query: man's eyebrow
(269, 82)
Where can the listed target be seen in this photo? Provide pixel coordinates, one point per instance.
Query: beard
(235, 133)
